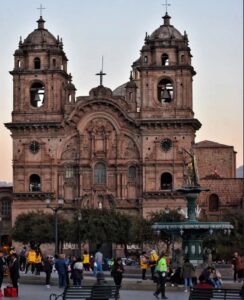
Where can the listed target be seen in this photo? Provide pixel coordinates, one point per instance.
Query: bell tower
(165, 73)
(43, 94)
(40, 77)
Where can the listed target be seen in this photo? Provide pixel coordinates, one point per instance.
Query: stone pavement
(40, 292)
(32, 287)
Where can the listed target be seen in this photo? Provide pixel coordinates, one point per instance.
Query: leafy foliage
(223, 245)
(37, 227)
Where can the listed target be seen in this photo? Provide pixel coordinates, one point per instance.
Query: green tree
(102, 225)
(223, 245)
(37, 227)
(163, 216)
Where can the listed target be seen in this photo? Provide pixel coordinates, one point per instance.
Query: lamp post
(79, 240)
(55, 212)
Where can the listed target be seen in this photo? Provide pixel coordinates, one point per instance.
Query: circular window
(166, 145)
(34, 147)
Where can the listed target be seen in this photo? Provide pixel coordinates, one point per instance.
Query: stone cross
(101, 74)
(41, 8)
(166, 5)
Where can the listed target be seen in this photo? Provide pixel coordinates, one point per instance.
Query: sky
(115, 29)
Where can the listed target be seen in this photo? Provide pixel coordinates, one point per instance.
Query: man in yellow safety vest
(161, 269)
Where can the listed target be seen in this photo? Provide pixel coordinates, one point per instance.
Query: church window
(35, 183)
(165, 59)
(145, 59)
(132, 174)
(165, 91)
(100, 173)
(182, 59)
(69, 172)
(37, 63)
(37, 92)
(54, 62)
(18, 63)
(166, 181)
(6, 208)
(213, 202)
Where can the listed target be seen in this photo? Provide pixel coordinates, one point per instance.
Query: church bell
(37, 98)
(165, 95)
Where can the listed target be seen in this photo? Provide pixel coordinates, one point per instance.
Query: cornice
(33, 125)
(166, 123)
(31, 195)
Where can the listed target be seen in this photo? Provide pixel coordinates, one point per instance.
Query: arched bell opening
(37, 92)
(165, 91)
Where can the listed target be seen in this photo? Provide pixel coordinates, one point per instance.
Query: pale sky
(116, 29)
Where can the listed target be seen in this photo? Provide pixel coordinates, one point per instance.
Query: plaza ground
(40, 292)
(32, 287)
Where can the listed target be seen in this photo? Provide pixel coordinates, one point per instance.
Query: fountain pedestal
(192, 231)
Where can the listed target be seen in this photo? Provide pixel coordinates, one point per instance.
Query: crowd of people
(70, 269)
(161, 272)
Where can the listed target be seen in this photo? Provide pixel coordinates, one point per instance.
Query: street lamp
(55, 212)
(79, 240)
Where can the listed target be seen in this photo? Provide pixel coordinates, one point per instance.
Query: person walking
(22, 259)
(86, 261)
(2, 269)
(161, 269)
(14, 270)
(98, 264)
(187, 272)
(38, 261)
(143, 264)
(31, 258)
(78, 272)
(48, 267)
(117, 273)
(233, 262)
(153, 258)
(62, 269)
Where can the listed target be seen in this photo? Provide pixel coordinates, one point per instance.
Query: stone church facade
(122, 149)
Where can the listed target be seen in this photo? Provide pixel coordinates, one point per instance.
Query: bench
(95, 292)
(214, 294)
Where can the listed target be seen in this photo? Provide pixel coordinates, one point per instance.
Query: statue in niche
(190, 174)
(99, 133)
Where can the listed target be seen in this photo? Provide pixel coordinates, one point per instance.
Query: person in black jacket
(48, 267)
(117, 272)
(2, 268)
(14, 270)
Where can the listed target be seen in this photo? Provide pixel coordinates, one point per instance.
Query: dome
(166, 31)
(71, 86)
(131, 85)
(40, 36)
(100, 91)
(120, 90)
(18, 52)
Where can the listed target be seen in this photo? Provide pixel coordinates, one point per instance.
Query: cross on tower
(101, 74)
(41, 8)
(166, 5)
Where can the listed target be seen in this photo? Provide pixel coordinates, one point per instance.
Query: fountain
(191, 231)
